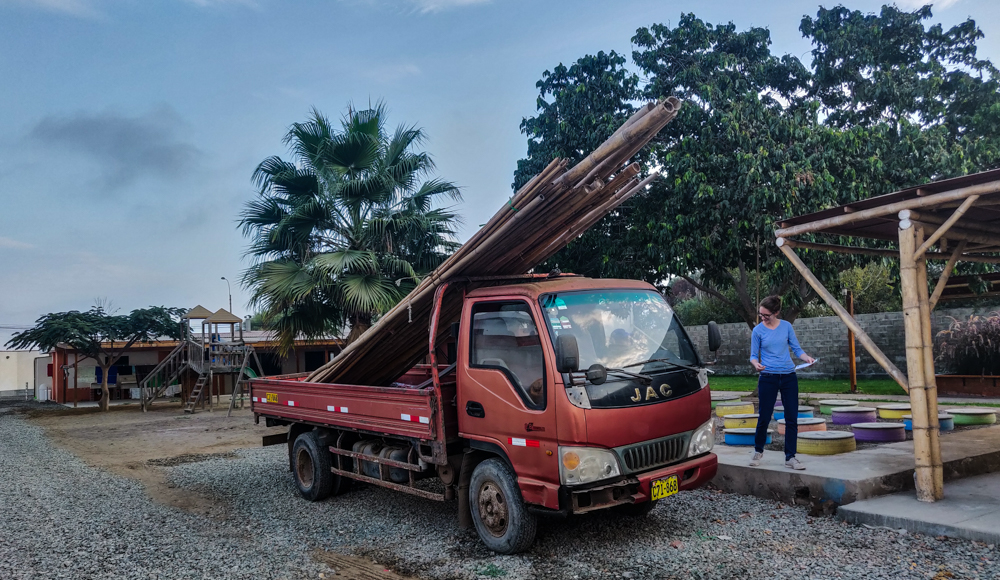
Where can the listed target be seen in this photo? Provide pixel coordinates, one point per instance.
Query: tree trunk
(105, 392)
(359, 324)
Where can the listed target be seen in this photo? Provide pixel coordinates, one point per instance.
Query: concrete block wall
(824, 338)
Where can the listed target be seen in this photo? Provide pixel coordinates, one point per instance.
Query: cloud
(914, 4)
(440, 5)
(14, 244)
(125, 148)
(80, 8)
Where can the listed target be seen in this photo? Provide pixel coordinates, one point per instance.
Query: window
(505, 337)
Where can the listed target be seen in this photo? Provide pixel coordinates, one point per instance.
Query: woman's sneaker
(794, 463)
(755, 461)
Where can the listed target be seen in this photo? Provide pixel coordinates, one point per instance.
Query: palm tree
(346, 230)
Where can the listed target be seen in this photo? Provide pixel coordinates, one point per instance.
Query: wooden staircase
(188, 354)
(196, 393)
(244, 374)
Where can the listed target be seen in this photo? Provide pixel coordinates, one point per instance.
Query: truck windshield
(619, 328)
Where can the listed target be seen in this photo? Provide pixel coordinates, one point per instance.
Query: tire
(501, 518)
(636, 510)
(311, 468)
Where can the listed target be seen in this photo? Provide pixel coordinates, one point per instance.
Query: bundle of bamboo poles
(552, 209)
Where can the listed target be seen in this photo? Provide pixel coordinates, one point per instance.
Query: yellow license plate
(662, 488)
(273, 398)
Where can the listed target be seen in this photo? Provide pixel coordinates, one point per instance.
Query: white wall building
(24, 367)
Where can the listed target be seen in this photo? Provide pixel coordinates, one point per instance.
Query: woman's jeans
(768, 387)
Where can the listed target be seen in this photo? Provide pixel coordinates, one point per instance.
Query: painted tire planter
(893, 412)
(740, 420)
(852, 415)
(806, 413)
(723, 398)
(826, 442)
(945, 422)
(973, 416)
(878, 432)
(827, 406)
(733, 408)
(743, 436)
(805, 425)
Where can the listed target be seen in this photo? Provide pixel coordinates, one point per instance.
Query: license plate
(272, 397)
(662, 488)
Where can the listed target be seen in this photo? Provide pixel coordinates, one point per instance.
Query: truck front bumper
(690, 474)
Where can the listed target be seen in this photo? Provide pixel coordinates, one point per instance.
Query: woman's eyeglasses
(764, 316)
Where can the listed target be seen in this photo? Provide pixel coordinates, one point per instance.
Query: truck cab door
(505, 390)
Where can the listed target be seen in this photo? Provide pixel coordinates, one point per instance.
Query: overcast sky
(129, 129)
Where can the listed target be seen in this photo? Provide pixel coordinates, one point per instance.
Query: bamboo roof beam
(885, 252)
(849, 320)
(943, 228)
(890, 209)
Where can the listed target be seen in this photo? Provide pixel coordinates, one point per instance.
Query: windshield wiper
(670, 362)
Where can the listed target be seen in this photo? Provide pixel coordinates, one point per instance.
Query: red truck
(561, 395)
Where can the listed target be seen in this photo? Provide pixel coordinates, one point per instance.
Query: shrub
(697, 311)
(971, 347)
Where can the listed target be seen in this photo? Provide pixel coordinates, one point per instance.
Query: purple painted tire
(878, 432)
(852, 415)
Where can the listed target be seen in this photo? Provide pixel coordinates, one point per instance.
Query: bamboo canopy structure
(960, 219)
(545, 215)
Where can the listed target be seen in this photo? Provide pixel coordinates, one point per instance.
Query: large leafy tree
(340, 233)
(100, 335)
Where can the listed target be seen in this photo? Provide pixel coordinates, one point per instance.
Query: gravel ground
(699, 534)
(64, 519)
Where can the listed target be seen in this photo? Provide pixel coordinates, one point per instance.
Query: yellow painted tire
(893, 412)
(734, 408)
(740, 420)
(826, 442)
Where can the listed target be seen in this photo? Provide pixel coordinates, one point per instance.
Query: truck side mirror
(567, 354)
(714, 337)
(455, 329)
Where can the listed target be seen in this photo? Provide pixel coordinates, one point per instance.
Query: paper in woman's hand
(804, 365)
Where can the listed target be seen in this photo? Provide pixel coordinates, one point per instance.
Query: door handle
(474, 409)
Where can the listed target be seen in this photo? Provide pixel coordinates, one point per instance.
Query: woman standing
(769, 346)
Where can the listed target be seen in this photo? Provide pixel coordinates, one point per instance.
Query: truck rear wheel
(311, 467)
(498, 511)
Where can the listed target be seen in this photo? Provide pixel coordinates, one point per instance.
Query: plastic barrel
(723, 397)
(743, 436)
(733, 408)
(826, 442)
(826, 406)
(852, 415)
(878, 432)
(740, 420)
(806, 413)
(806, 424)
(974, 416)
(893, 412)
(945, 422)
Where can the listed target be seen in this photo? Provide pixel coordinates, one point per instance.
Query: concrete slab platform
(853, 476)
(970, 510)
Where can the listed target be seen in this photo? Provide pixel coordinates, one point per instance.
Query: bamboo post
(833, 303)
(852, 364)
(915, 361)
(930, 384)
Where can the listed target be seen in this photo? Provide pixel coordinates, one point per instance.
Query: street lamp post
(230, 288)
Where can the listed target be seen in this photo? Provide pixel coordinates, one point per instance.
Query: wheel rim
(493, 509)
(304, 468)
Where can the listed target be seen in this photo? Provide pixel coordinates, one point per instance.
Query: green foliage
(341, 233)
(698, 311)
(971, 347)
(873, 288)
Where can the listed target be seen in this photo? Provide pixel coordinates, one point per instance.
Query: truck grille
(655, 453)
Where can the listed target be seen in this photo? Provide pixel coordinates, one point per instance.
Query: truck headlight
(702, 439)
(586, 464)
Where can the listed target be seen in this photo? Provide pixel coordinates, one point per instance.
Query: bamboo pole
(969, 224)
(887, 252)
(948, 223)
(930, 384)
(915, 362)
(849, 320)
(852, 366)
(943, 280)
(889, 209)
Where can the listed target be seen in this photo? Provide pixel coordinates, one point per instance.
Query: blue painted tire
(743, 436)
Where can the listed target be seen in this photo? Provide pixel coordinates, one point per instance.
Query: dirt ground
(137, 445)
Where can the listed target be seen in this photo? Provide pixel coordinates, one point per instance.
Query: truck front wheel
(311, 466)
(498, 511)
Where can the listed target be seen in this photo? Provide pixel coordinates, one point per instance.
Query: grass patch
(491, 571)
(838, 386)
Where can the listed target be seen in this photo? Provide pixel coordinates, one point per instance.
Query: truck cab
(566, 395)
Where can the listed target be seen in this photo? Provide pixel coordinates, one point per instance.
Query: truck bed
(406, 410)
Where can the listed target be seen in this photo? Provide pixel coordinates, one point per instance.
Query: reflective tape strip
(343, 409)
(291, 403)
(425, 420)
(255, 399)
(518, 442)
(405, 417)
(333, 409)
(415, 419)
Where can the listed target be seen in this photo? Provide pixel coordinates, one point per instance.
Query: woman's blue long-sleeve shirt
(770, 347)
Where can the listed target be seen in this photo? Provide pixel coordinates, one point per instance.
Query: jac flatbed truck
(563, 395)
